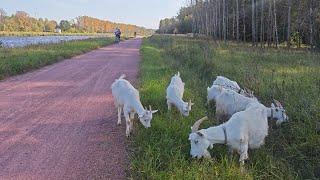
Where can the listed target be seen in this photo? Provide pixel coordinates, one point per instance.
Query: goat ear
(200, 134)
(154, 111)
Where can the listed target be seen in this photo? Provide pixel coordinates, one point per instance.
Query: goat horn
(150, 107)
(197, 124)
(277, 103)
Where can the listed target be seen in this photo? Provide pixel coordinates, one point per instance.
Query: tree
(275, 24)
(64, 25)
(229, 19)
(270, 24)
(289, 24)
(49, 26)
(224, 23)
(3, 14)
(244, 20)
(237, 18)
(253, 23)
(262, 24)
(311, 23)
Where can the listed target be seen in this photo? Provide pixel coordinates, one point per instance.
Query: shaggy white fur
(174, 96)
(244, 130)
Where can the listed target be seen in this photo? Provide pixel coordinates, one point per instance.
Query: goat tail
(122, 76)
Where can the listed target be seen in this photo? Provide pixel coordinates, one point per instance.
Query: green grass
(15, 61)
(293, 77)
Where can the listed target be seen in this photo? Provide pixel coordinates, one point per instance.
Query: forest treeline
(262, 22)
(23, 22)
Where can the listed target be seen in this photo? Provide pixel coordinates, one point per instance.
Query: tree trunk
(207, 22)
(237, 19)
(193, 27)
(224, 28)
(227, 19)
(289, 24)
(233, 23)
(216, 19)
(244, 20)
(311, 19)
(253, 23)
(262, 24)
(219, 20)
(275, 23)
(270, 24)
(299, 24)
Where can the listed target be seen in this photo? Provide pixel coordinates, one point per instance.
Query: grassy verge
(4, 33)
(15, 61)
(290, 152)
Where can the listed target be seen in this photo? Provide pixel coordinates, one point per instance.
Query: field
(15, 61)
(292, 151)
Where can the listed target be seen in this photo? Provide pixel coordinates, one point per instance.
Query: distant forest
(23, 22)
(261, 22)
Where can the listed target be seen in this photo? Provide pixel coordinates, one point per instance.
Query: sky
(146, 13)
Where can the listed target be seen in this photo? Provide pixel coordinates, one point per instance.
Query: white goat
(126, 97)
(174, 97)
(232, 85)
(244, 130)
(229, 102)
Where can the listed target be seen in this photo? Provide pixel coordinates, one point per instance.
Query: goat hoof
(243, 170)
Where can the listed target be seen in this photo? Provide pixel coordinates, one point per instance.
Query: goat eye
(277, 110)
(196, 142)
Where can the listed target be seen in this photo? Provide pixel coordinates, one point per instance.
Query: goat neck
(138, 107)
(216, 134)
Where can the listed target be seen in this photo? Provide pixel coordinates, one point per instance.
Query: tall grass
(291, 151)
(15, 61)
